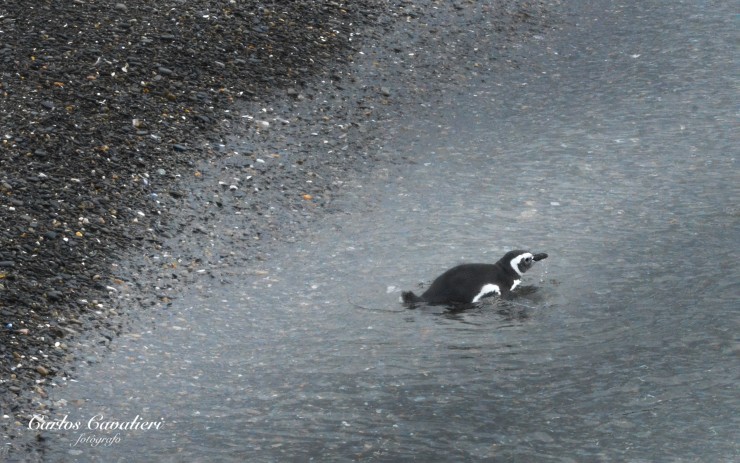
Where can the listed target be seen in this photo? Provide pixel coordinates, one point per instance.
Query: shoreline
(107, 108)
(135, 231)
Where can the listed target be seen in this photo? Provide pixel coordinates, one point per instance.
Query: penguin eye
(527, 259)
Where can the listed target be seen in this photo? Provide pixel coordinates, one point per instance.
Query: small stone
(7, 264)
(385, 91)
(42, 371)
(47, 104)
(121, 7)
(264, 125)
(179, 147)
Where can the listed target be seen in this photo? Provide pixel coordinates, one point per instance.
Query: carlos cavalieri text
(96, 423)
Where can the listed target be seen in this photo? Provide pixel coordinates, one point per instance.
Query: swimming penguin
(468, 283)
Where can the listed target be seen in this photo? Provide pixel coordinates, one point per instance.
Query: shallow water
(611, 149)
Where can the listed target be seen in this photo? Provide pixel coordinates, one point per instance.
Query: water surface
(612, 149)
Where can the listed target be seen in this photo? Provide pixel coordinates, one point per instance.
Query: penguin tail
(409, 297)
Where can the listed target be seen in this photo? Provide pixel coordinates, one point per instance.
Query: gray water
(613, 150)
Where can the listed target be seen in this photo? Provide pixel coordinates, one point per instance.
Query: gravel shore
(128, 127)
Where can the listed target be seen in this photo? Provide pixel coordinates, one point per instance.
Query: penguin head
(521, 261)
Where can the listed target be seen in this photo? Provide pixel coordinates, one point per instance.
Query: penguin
(469, 283)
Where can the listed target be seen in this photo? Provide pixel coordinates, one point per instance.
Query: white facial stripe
(516, 283)
(515, 261)
(487, 290)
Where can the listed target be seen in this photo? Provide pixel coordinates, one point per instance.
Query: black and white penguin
(468, 283)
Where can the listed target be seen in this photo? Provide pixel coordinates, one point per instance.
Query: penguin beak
(539, 256)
